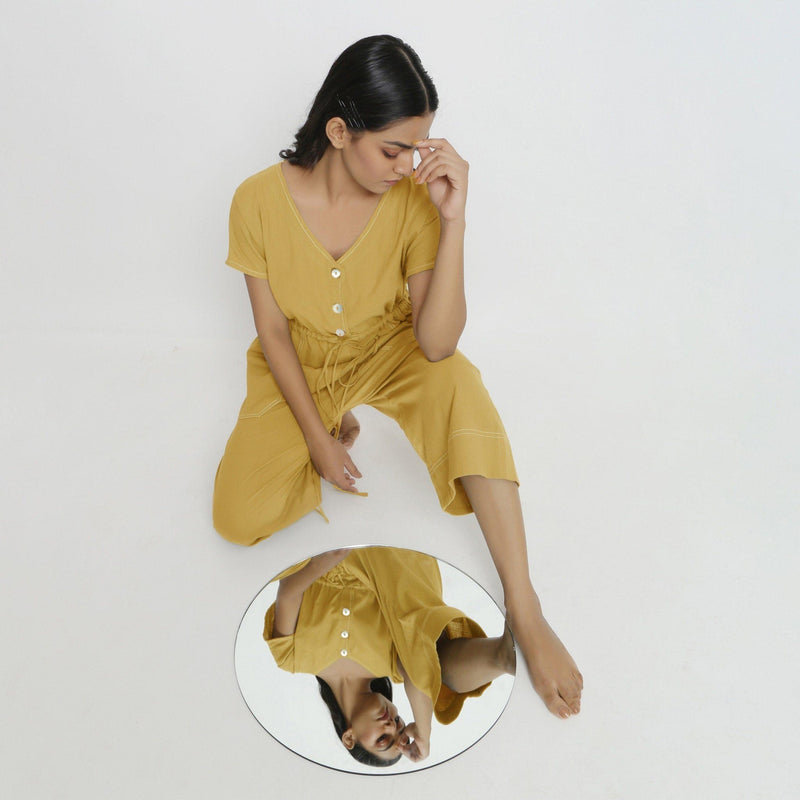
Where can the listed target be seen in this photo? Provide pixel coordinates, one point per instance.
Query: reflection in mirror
(375, 660)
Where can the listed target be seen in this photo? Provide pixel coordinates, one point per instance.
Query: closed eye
(390, 155)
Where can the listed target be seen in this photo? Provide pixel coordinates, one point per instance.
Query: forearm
(443, 314)
(284, 364)
(421, 705)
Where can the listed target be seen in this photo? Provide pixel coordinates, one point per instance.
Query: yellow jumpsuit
(350, 323)
(378, 605)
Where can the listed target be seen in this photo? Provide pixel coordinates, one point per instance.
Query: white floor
(663, 543)
(632, 281)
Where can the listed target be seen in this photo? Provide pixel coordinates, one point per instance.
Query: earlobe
(349, 739)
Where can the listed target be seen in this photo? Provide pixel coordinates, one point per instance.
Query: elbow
(437, 355)
(435, 352)
(438, 347)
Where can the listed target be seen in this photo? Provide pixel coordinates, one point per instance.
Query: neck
(330, 178)
(349, 688)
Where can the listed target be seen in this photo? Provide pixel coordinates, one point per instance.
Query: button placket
(345, 634)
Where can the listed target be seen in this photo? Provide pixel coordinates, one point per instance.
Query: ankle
(523, 605)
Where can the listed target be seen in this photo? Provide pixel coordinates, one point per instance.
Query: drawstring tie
(328, 381)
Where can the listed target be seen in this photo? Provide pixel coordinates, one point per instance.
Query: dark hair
(374, 83)
(382, 685)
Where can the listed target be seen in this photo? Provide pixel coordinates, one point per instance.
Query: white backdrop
(632, 279)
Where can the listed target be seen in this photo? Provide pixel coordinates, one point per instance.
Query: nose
(407, 165)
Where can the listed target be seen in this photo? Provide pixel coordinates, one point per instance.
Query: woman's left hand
(445, 172)
(412, 744)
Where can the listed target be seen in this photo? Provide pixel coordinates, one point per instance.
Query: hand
(412, 744)
(331, 460)
(445, 172)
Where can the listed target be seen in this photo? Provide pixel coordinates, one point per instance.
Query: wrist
(316, 436)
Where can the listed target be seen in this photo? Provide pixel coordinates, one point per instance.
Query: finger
(343, 481)
(442, 144)
(352, 468)
(430, 160)
(442, 166)
(443, 172)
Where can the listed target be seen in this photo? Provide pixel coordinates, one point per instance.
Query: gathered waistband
(346, 351)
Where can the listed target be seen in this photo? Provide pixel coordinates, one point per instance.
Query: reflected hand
(412, 744)
(332, 461)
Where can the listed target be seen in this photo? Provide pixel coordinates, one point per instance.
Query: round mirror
(374, 660)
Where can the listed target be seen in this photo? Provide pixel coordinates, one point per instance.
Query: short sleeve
(246, 238)
(282, 647)
(424, 241)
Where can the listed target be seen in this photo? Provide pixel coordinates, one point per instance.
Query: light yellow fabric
(265, 479)
(389, 602)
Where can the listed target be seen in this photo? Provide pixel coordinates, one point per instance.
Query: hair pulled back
(374, 83)
(382, 685)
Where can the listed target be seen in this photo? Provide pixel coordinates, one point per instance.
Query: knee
(234, 515)
(237, 527)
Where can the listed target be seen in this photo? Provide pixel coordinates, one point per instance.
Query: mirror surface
(375, 611)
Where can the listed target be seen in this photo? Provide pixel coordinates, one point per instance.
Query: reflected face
(376, 159)
(376, 726)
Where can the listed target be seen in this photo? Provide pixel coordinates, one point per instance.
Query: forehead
(403, 132)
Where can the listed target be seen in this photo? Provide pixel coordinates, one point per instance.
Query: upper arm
(267, 315)
(417, 291)
(287, 611)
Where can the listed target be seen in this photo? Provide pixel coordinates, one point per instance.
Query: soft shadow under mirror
(375, 611)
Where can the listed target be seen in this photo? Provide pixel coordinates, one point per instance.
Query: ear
(349, 739)
(337, 132)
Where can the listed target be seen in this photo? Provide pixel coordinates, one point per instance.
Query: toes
(556, 704)
(574, 703)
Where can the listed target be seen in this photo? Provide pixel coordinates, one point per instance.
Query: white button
(343, 652)
(339, 332)
(345, 634)
(337, 309)
(346, 612)
(335, 273)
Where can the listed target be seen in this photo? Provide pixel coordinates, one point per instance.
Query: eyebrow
(401, 144)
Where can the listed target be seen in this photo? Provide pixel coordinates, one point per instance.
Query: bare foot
(348, 430)
(553, 672)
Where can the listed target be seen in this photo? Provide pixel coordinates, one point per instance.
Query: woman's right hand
(332, 461)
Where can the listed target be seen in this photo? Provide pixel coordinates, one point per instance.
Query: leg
(468, 664)
(265, 480)
(553, 672)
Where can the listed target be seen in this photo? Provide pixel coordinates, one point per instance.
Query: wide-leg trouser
(266, 480)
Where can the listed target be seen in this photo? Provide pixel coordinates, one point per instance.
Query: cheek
(371, 162)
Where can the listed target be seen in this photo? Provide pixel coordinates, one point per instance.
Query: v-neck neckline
(316, 242)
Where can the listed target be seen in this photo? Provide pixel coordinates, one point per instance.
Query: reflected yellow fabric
(351, 325)
(389, 603)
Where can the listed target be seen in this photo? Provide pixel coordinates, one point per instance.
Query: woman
(360, 619)
(353, 263)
